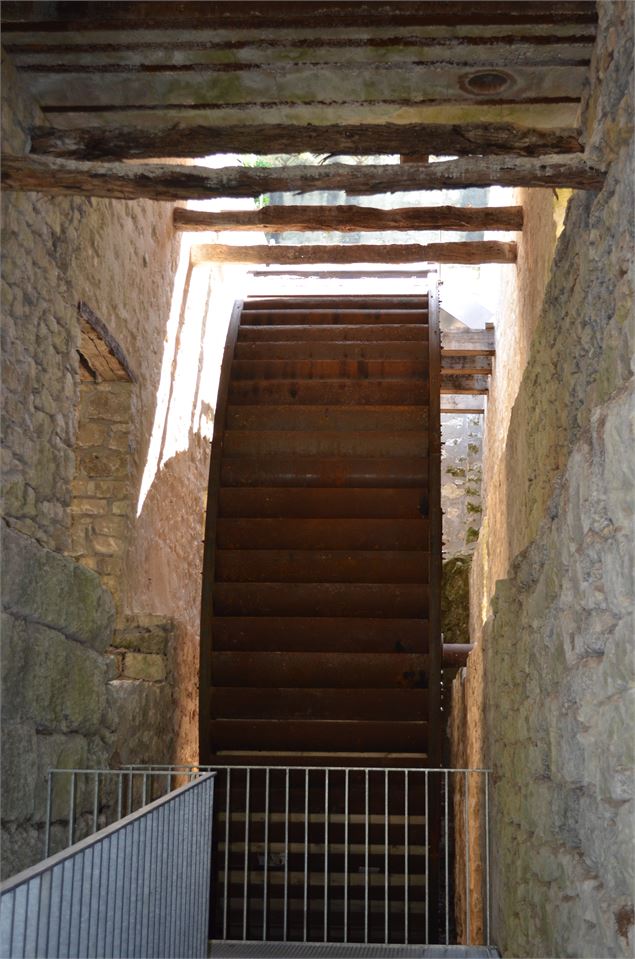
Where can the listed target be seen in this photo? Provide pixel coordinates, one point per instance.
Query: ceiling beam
(468, 342)
(462, 403)
(489, 251)
(93, 143)
(155, 181)
(350, 219)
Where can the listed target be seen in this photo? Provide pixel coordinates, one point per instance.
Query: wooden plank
(330, 350)
(346, 301)
(325, 471)
(461, 365)
(338, 704)
(319, 634)
(337, 316)
(300, 418)
(310, 735)
(467, 343)
(171, 182)
(464, 404)
(415, 332)
(366, 443)
(321, 670)
(363, 503)
(351, 219)
(254, 15)
(343, 392)
(315, 599)
(329, 369)
(327, 533)
(470, 251)
(321, 566)
(196, 140)
(464, 383)
(100, 350)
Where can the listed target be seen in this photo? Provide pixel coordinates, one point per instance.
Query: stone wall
(546, 699)
(57, 623)
(112, 475)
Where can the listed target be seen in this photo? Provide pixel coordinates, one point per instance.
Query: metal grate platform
(303, 950)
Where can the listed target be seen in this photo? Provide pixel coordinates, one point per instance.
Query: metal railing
(138, 887)
(343, 854)
(81, 801)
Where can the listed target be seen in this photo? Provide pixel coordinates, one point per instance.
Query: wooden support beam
(488, 251)
(350, 219)
(463, 403)
(417, 139)
(457, 365)
(466, 383)
(156, 181)
(468, 343)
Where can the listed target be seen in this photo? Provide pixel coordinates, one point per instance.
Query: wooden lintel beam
(468, 342)
(416, 139)
(462, 403)
(486, 251)
(350, 219)
(456, 365)
(455, 654)
(157, 181)
(466, 383)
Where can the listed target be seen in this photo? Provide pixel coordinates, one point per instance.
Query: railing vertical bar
(246, 861)
(130, 788)
(366, 851)
(326, 855)
(36, 949)
(306, 853)
(147, 879)
(406, 874)
(119, 795)
(346, 785)
(144, 790)
(226, 874)
(104, 873)
(96, 803)
(447, 858)
(487, 888)
(265, 889)
(188, 829)
(467, 861)
(158, 932)
(79, 915)
(47, 827)
(172, 842)
(139, 894)
(427, 860)
(285, 907)
(168, 782)
(386, 820)
(179, 910)
(71, 812)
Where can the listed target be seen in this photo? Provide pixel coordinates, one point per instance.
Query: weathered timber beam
(350, 219)
(157, 181)
(467, 343)
(119, 143)
(258, 16)
(488, 251)
(464, 403)
(456, 365)
(466, 383)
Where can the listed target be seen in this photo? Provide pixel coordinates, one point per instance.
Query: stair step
(341, 391)
(319, 471)
(322, 534)
(331, 317)
(358, 333)
(292, 417)
(318, 599)
(324, 301)
(258, 443)
(320, 670)
(321, 566)
(318, 503)
(280, 734)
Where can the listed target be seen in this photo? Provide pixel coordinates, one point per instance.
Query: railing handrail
(13, 882)
(219, 766)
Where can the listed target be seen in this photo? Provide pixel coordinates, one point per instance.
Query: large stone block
(44, 587)
(144, 722)
(19, 770)
(54, 682)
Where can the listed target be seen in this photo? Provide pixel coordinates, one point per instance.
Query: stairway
(321, 555)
